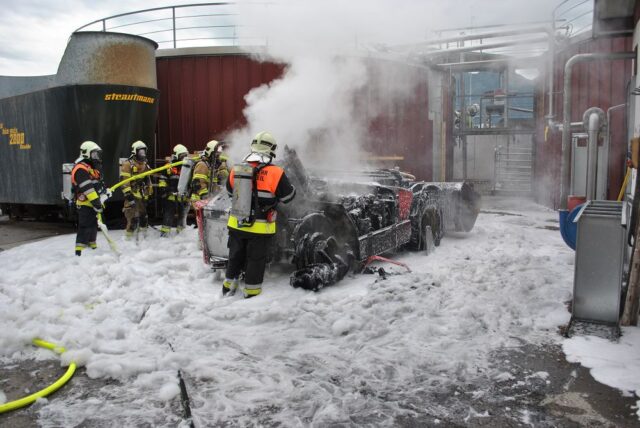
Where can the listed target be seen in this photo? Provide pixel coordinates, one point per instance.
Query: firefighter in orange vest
(210, 173)
(136, 192)
(89, 194)
(173, 203)
(256, 187)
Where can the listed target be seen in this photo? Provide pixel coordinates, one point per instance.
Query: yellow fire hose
(624, 184)
(12, 405)
(102, 226)
(144, 174)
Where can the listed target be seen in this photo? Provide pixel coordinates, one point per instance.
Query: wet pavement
(537, 386)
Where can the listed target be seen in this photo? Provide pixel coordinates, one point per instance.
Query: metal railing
(189, 25)
(494, 110)
(575, 16)
(569, 19)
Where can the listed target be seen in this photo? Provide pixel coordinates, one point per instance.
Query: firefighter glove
(103, 198)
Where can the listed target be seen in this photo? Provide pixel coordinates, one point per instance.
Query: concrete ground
(567, 397)
(13, 233)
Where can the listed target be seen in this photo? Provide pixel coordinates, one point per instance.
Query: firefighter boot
(229, 287)
(252, 292)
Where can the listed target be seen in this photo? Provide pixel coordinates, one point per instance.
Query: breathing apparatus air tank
(185, 177)
(67, 187)
(242, 194)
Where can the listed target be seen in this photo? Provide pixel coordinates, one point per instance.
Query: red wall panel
(202, 97)
(594, 84)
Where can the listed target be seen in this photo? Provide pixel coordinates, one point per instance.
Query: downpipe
(593, 122)
(594, 119)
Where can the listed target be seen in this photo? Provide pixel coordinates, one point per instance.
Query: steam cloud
(332, 50)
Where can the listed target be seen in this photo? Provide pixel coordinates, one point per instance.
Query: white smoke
(332, 52)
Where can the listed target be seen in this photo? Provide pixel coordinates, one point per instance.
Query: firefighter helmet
(213, 147)
(90, 151)
(139, 150)
(264, 143)
(180, 152)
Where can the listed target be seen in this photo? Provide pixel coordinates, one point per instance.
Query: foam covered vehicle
(337, 225)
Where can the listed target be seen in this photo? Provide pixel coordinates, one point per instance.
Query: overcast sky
(34, 33)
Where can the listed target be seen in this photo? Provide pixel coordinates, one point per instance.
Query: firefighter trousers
(87, 227)
(136, 215)
(169, 211)
(248, 254)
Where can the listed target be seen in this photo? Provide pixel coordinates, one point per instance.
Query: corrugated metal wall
(202, 97)
(601, 84)
(402, 128)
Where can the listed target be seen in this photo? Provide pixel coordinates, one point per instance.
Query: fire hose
(16, 404)
(101, 225)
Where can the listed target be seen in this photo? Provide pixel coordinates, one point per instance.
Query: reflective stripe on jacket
(141, 188)
(87, 183)
(272, 187)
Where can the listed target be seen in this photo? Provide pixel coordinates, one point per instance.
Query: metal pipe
(565, 169)
(492, 63)
(505, 119)
(476, 27)
(517, 32)
(550, 82)
(592, 155)
(173, 23)
(521, 42)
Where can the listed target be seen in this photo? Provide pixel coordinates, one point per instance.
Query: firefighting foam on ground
(368, 350)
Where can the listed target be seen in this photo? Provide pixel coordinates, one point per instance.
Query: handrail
(175, 22)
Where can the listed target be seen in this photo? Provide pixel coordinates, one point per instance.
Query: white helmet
(213, 147)
(264, 143)
(90, 151)
(139, 150)
(180, 152)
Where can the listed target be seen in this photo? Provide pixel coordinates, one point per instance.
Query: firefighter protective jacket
(202, 183)
(273, 186)
(88, 185)
(168, 183)
(140, 189)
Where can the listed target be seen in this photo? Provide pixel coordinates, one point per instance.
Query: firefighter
(173, 203)
(89, 194)
(256, 187)
(136, 192)
(210, 172)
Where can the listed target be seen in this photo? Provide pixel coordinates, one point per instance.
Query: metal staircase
(513, 173)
